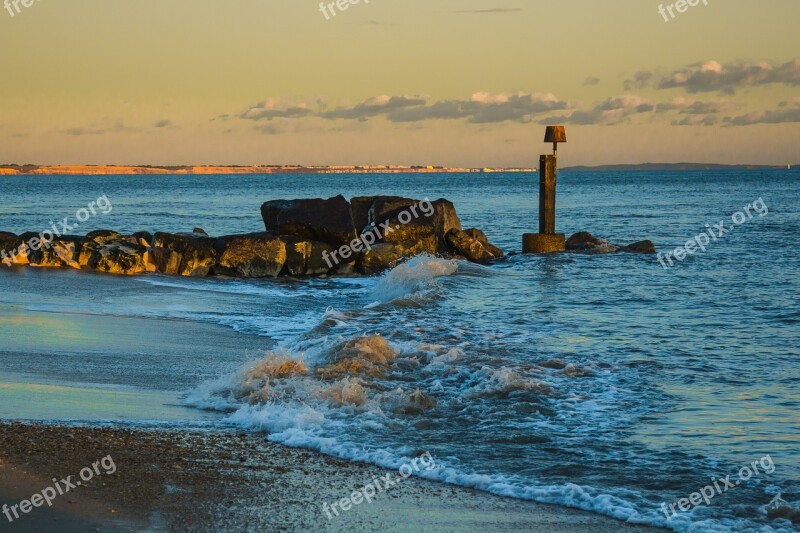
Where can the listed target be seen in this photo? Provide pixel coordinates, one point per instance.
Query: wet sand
(167, 480)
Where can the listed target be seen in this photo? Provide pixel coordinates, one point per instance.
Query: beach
(230, 481)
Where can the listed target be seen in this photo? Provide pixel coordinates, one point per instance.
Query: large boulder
(115, 257)
(184, 254)
(142, 238)
(583, 241)
(60, 252)
(9, 245)
(473, 245)
(307, 258)
(103, 236)
(329, 221)
(379, 258)
(413, 225)
(641, 247)
(253, 255)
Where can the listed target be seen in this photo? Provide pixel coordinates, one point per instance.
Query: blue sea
(602, 382)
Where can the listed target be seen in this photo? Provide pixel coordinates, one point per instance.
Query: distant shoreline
(676, 166)
(101, 170)
(110, 170)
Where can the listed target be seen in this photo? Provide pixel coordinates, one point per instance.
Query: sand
(167, 480)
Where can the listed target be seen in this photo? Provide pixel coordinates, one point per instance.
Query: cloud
(163, 123)
(484, 108)
(614, 110)
(493, 10)
(697, 120)
(275, 108)
(713, 76)
(640, 80)
(118, 127)
(591, 80)
(776, 116)
(696, 107)
(378, 105)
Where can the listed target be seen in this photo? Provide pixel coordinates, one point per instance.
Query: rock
(379, 258)
(102, 236)
(481, 237)
(641, 247)
(9, 244)
(584, 241)
(200, 231)
(359, 207)
(115, 257)
(317, 265)
(142, 238)
(184, 254)
(297, 253)
(254, 255)
(418, 227)
(306, 258)
(385, 208)
(61, 252)
(471, 248)
(329, 221)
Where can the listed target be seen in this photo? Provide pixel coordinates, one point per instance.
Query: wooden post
(547, 194)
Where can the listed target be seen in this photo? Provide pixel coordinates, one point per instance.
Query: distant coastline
(100, 170)
(676, 166)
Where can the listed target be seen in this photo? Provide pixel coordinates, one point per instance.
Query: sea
(613, 383)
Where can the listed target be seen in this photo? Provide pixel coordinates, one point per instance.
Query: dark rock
(641, 247)
(200, 231)
(379, 258)
(317, 265)
(254, 255)
(385, 208)
(60, 252)
(307, 258)
(471, 248)
(9, 244)
(481, 237)
(115, 257)
(297, 253)
(142, 238)
(102, 236)
(359, 207)
(184, 255)
(584, 241)
(416, 226)
(320, 220)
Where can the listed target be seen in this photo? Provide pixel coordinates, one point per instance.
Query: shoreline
(220, 480)
(190, 170)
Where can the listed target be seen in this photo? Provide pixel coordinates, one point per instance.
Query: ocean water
(606, 383)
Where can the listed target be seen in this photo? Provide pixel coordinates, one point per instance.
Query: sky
(418, 82)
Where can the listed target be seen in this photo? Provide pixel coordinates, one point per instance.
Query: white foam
(415, 276)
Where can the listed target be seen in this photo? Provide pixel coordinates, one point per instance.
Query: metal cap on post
(547, 240)
(555, 135)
